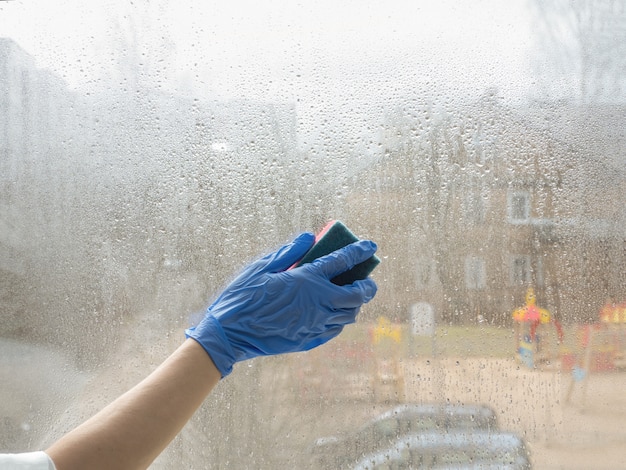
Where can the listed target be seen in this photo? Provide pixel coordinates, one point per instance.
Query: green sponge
(333, 236)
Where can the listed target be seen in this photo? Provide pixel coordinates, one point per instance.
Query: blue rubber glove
(270, 309)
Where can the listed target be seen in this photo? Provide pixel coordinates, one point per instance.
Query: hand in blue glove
(269, 309)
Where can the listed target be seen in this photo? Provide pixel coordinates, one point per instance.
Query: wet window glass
(150, 150)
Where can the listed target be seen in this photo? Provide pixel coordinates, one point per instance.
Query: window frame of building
(523, 277)
(475, 273)
(516, 214)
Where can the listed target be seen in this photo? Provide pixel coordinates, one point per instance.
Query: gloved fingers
(329, 334)
(343, 316)
(353, 295)
(366, 288)
(345, 258)
(289, 254)
(277, 261)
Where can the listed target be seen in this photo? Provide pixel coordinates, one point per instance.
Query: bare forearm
(132, 431)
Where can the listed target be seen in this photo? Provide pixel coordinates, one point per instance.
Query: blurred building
(33, 133)
(472, 208)
(108, 195)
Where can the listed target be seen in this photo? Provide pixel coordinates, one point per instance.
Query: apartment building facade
(474, 208)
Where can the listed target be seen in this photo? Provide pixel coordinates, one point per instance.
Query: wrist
(210, 335)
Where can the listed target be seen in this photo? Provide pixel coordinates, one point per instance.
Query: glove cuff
(210, 335)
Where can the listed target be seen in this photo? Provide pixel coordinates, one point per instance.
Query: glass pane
(150, 150)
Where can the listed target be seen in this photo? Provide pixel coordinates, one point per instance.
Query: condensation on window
(150, 150)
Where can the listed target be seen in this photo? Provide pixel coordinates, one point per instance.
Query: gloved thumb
(288, 255)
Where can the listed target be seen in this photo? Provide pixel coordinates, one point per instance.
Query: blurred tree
(585, 42)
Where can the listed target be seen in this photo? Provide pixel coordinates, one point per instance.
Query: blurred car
(466, 449)
(382, 431)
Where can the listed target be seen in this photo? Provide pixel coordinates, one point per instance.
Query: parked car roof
(382, 430)
(456, 449)
(480, 416)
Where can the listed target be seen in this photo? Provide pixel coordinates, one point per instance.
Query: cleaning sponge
(333, 236)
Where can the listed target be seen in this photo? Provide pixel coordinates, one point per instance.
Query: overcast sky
(282, 48)
(337, 60)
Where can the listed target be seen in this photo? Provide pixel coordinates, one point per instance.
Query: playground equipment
(367, 367)
(385, 329)
(602, 345)
(528, 320)
(601, 348)
(388, 377)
